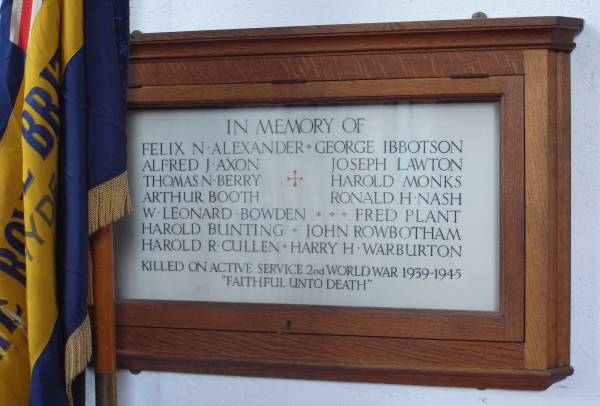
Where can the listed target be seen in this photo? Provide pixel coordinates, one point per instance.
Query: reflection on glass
(379, 205)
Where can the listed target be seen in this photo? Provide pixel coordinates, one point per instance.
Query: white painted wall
(150, 388)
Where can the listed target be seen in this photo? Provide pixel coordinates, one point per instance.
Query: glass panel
(377, 205)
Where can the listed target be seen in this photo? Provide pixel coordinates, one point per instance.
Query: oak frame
(523, 63)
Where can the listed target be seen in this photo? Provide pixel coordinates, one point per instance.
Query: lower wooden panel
(383, 352)
(346, 358)
(322, 320)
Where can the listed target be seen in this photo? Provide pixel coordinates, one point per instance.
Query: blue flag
(63, 76)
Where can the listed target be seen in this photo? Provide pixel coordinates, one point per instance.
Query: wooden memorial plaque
(378, 202)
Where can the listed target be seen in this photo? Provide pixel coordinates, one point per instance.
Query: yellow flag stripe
(29, 154)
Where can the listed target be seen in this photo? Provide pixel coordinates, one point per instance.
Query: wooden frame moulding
(523, 63)
(506, 325)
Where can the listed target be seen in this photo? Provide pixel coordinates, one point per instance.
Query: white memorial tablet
(377, 205)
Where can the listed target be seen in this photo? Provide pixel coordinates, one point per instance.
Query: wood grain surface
(523, 63)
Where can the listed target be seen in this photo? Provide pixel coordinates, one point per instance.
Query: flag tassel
(78, 352)
(108, 202)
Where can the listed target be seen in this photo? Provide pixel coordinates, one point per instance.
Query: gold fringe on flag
(78, 353)
(108, 202)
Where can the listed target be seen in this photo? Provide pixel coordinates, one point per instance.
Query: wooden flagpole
(105, 347)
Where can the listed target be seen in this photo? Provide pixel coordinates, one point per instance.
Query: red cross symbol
(295, 178)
